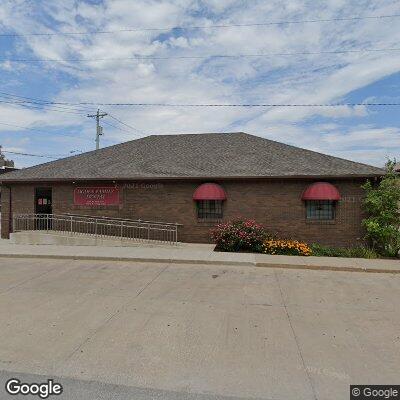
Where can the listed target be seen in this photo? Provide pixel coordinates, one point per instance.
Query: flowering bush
(287, 247)
(239, 235)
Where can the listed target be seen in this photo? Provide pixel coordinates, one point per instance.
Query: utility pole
(99, 129)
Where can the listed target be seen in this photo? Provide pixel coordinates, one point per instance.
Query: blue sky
(366, 134)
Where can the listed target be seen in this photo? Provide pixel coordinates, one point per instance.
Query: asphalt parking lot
(198, 330)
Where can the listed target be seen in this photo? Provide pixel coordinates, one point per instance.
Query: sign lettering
(96, 196)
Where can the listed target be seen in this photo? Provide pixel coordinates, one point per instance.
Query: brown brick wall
(5, 211)
(274, 203)
(22, 201)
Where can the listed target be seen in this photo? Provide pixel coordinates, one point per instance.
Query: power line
(116, 127)
(127, 125)
(46, 103)
(239, 105)
(16, 100)
(83, 109)
(35, 155)
(121, 129)
(133, 130)
(35, 100)
(199, 27)
(41, 131)
(41, 105)
(144, 57)
(20, 126)
(88, 103)
(32, 106)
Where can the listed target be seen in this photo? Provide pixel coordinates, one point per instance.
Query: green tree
(382, 204)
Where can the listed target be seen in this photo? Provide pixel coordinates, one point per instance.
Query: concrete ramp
(74, 239)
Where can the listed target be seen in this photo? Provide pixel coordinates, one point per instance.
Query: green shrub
(325, 251)
(361, 252)
(239, 235)
(350, 252)
(382, 204)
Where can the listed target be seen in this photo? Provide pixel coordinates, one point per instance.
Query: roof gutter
(191, 178)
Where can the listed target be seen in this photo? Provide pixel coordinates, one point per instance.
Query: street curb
(131, 259)
(205, 262)
(329, 268)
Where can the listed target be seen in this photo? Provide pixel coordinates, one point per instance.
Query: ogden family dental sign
(96, 196)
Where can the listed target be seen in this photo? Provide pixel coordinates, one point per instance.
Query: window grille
(320, 209)
(209, 209)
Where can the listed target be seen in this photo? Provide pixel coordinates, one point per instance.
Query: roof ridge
(196, 134)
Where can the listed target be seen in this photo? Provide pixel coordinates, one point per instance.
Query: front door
(43, 207)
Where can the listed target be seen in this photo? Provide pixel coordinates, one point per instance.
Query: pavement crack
(295, 338)
(117, 312)
(27, 280)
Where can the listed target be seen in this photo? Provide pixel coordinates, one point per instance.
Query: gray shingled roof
(200, 156)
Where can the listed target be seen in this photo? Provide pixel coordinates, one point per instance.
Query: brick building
(197, 181)
(5, 166)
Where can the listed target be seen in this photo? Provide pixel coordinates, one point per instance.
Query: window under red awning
(209, 191)
(321, 191)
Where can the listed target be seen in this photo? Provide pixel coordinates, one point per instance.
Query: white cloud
(320, 78)
(365, 144)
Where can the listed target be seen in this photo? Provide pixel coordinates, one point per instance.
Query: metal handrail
(138, 230)
(121, 219)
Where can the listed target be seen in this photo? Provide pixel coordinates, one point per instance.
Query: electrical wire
(35, 100)
(140, 57)
(45, 103)
(30, 106)
(377, 104)
(42, 132)
(94, 104)
(35, 155)
(16, 100)
(122, 130)
(199, 27)
(20, 126)
(97, 104)
(127, 125)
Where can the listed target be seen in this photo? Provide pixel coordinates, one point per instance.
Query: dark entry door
(43, 207)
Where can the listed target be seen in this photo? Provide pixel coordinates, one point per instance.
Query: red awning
(209, 191)
(321, 191)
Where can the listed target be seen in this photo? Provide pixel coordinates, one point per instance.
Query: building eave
(190, 178)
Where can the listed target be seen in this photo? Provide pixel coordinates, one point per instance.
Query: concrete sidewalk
(194, 254)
